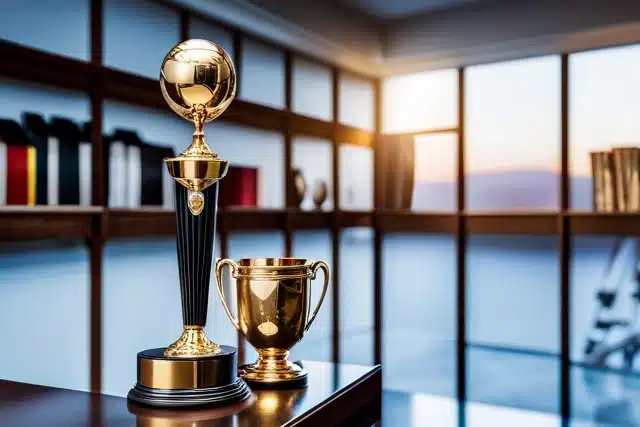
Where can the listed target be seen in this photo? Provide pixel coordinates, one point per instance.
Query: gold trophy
(273, 314)
(198, 82)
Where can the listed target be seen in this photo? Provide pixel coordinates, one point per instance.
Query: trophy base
(172, 382)
(293, 376)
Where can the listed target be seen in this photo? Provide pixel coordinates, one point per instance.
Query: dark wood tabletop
(337, 395)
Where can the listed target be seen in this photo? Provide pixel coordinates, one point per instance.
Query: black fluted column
(195, 253)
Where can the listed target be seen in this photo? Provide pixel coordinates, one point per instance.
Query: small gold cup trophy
(198, 81)
(273, 314)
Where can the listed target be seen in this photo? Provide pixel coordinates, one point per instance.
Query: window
(419, 301)
(312, 92)
(312, 156)
(419, 102)
(513, 320)
(435, 173)
(356, 178)
(61, 27)
(604, 106)
(262, 76)
(138, 34)
(357, 102)
(356, 296)
(513, 135)
(46, 291)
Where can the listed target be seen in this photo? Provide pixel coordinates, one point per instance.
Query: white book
(3, 173)
(168, 191)
(117, 175)
(53, 170)
(134, 177)
(84, 154)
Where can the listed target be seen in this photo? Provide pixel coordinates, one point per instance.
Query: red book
(239, 187)
(17, 175)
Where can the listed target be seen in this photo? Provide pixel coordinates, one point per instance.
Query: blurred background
(435, 153)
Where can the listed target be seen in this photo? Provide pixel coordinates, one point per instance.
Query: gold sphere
(198, 80)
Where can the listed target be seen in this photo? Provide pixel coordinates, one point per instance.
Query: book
(37, 131)
(152, 168)
(67, 134)
(86, 165)
(168, 183)
(239, 187)
(125, 163)
(19, 165)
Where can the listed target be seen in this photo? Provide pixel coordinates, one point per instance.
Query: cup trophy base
(293, 376)
(172, 382)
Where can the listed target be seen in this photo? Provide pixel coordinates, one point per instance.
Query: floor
(510, 389)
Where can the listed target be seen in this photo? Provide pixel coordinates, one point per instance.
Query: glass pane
(604, 328)
(511, 281)
(316, 343)
(251, 245)
(513, 134)
(201, 29)
(357, 102)
(262, 78)
(356, 178)
(19, 97)
(604, 108)
(313, 157)
(417, 102)
(517, 380)
(60, 27)
(45, 290)
(138, 34)
(356, 296)
(312, 92)
(435, 172)
(419, 301)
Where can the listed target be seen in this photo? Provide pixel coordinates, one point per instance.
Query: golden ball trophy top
(198, 81)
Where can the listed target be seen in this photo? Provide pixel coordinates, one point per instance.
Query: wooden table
(337, 395)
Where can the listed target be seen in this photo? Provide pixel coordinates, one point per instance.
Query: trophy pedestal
(273, 370)
(274, 380)
(172, 382)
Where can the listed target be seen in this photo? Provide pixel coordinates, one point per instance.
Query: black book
(152, 170)
(38, 132)
(68, 135)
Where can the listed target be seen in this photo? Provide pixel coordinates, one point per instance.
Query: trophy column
(197, 80)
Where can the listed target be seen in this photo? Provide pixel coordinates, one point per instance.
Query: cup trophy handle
(318, 265)
(234, 268)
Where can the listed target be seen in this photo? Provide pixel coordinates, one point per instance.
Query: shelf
(604, 223)
(36, 223)
(60, 222)
(140, 222)
(35, 66)
(512, 222)
(407, 221)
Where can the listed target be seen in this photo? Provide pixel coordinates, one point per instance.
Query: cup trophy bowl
(273, 297)
(198, 82)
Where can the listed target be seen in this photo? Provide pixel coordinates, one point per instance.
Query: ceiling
(390, 37)
(383, 10)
